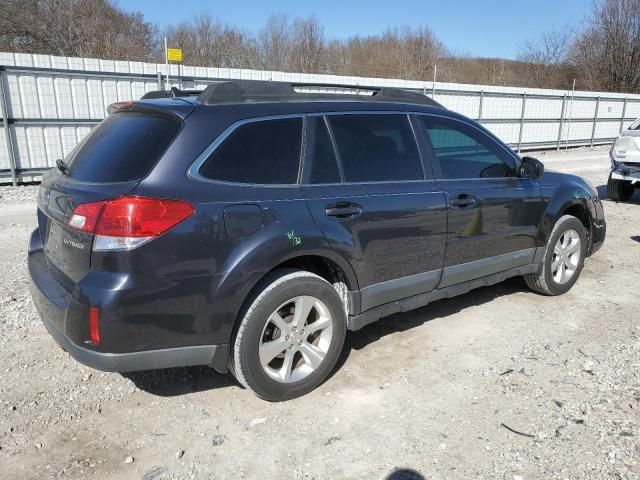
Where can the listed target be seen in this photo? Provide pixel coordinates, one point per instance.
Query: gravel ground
(500, 383)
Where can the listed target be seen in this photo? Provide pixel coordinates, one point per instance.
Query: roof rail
(249, 91)
(173, 93)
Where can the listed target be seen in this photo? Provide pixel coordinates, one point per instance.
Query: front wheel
(563, 259)
(290, 336)
(619, 190)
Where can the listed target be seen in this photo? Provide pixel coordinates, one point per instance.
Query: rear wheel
(563, 259)
(290, 336)
(619, 190)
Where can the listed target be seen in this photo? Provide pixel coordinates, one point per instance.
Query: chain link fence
(48, 104)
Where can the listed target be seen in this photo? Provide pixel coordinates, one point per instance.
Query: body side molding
(390, 290)
(465, 272)
(356, 322)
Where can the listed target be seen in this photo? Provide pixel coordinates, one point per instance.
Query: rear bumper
(215, 356)
(56, 307)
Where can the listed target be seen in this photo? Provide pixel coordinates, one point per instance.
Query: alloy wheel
(566, 257)
(295, 339)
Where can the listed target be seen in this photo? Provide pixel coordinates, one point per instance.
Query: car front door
(494, 215)
(366, 187)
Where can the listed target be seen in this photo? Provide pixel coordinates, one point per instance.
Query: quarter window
(376, 148)
(464, 152)
(262, 152)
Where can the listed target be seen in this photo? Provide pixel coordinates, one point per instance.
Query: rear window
(263, 152)
(124, 147)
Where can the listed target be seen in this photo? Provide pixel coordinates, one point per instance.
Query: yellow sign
(174, 54)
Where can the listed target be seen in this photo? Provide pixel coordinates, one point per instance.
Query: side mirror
(531, 168)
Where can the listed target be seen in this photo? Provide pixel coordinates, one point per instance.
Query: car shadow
(405, 474)
(604, 195)
(401, 322)
(172, 382)
(602, 192)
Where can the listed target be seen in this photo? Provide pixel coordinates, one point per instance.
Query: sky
(487, 28)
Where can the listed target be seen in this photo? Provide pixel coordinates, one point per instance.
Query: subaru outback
(248, 226)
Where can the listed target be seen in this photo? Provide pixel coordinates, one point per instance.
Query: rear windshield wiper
(62, 166)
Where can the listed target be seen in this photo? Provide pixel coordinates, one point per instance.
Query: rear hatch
(109, 163)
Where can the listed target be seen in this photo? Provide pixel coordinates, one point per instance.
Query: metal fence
(48, 104)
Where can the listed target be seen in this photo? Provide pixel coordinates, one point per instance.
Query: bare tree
(273, 43)
(208, 42)
(607, 53)
(546, 58)
(603, 55)
(76, 28)
(307, 45)
(399, 52)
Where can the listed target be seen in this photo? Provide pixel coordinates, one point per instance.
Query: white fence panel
(53, 102)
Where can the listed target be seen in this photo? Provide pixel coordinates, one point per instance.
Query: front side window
(376, 147)
(262, 152)
(464, 152)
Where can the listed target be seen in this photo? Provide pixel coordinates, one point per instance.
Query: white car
(625, 164)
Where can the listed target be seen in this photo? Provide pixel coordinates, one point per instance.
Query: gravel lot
(441, 390)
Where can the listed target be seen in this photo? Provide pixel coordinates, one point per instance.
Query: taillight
(85, 217)
(94, 325)
(127, 222)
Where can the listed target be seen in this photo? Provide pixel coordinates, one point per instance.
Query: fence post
(564, 102)
(480, 106)
(433, 85)
(524, 104)
(160, 81)
(4, 111)
(624, 114)
(595, 120)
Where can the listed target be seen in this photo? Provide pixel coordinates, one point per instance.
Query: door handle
(343, 210)
(463, 200)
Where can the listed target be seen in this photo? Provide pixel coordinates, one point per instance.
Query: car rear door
(367, 189)
(494, 215)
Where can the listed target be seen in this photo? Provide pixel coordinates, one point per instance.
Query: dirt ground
(439, 392)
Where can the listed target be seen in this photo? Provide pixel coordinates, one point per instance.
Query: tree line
(604, 54)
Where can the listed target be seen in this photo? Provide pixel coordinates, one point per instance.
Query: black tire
(619, 190)
(277, 289)
(543, 282)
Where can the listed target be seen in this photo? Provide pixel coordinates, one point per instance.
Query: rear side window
(262, 152)
(324, 164)
(464, 152)
(124, 147)
(376, 148)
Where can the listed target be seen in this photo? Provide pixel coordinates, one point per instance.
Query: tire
(619, 190)
(269, 324)
(550, 281)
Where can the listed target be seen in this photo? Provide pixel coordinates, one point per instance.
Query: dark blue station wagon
(248, 226)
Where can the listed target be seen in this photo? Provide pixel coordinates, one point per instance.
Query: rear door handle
(463, 200)
(343, 210)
